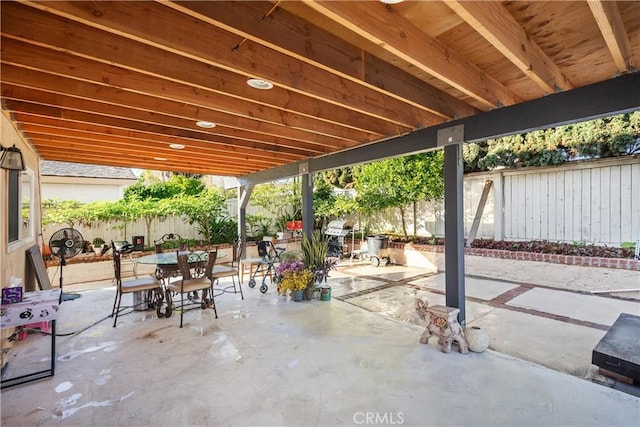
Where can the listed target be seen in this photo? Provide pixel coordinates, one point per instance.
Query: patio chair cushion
(223, 271)
(140, 284)
(189, 285)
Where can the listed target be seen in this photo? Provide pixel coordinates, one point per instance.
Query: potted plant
(97, 243)
(295, 277)
(314, 256)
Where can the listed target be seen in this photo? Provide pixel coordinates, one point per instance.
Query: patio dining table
(167, 262)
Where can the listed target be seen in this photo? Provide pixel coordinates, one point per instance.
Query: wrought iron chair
(196, 275)
(151, 286)
(231, 269)
(169, 239)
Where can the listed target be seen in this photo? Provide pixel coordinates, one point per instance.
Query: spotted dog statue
(442, 322)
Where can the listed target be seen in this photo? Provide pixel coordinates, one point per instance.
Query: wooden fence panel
(591, 202)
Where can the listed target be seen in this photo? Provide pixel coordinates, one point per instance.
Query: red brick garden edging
(621, 263)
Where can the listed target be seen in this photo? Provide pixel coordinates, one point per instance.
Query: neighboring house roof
(53, 168)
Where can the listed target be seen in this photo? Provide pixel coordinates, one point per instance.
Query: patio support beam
(615, 96)
(307, 201)
(454, 229)
(244, 192)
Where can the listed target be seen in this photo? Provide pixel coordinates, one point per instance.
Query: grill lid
(339, 227)
(340, 224)
(337, 232)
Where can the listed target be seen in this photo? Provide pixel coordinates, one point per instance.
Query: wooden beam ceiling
(609, 20)
(117, 83)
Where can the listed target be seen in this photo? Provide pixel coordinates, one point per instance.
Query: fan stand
(63, 296)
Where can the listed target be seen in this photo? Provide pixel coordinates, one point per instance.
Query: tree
(155, 189)
(71, 212)
(607, 137)
(208, 210)
(398, 182)
(281, 199)
(323, 201)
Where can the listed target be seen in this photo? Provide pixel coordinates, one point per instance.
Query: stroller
(269, 255)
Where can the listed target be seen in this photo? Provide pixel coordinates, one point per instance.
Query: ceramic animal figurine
(442, 322)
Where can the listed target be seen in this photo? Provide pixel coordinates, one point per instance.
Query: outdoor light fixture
(11, 159)
(260, 84)
(205, 124)
(391, 1)
(176, 146)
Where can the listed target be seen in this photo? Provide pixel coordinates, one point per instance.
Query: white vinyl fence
(586, 201)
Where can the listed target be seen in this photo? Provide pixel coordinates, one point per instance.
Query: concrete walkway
(549, 314)
(353, 360)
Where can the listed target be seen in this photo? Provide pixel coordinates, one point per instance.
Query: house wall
(12, 257)
(84, 190)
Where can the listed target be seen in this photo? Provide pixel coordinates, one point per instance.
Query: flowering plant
(292, 275)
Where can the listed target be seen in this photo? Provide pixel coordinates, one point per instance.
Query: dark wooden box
(619, 350)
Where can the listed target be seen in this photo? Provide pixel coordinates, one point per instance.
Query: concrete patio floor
(354, 360)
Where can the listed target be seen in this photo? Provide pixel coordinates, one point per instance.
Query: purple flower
(289, 266)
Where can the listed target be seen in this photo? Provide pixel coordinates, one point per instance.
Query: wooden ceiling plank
(333, 134)
(57, 134)
(154, 143)
(392, 32)
(88, 146)
(284, 32)
(159, 26)
(51, 99)
(119, 123)
(141, 163)
(80, 40)
(494, 22)
(609, 20)
(113, 96)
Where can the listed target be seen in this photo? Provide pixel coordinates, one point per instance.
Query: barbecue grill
(336, 231)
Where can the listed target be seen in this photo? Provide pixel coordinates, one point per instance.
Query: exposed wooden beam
(132, 162)
(81, 151)
(52, 100)
(292, 36)
(98, 146)
(188, 137)
(609, 21)
(395, 34)
(117, 97)
(494, 22)
(615, 96)
(34, 128)
(88, 147)
(157, 25)
(82, 41)
(150, 132)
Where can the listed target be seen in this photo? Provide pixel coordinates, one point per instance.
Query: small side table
(443, 322)
(40, 306)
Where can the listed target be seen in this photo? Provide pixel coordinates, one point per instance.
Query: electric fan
(66, 243)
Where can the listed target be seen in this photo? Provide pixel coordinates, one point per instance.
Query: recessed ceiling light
(176, 146)
(160, 159)
(391, 1)
(260, 84)
(205, 124)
